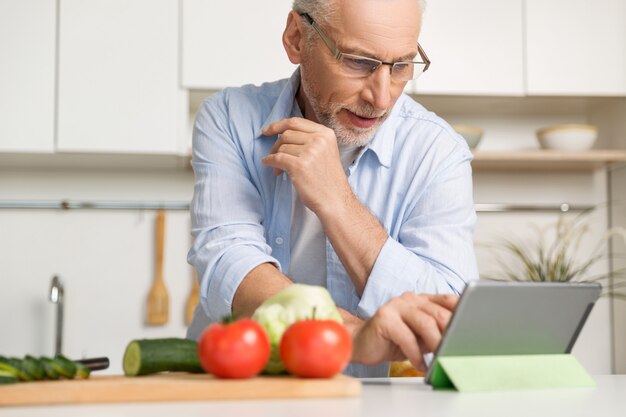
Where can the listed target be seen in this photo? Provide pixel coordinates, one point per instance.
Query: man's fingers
(295, 150)
(401, 335)
(291, 123)
(281, 161)
(410, 323)
(290, 137)
(439, 313)
(408, 326)
(438, 307)
(425, 327)
(426, 319)
(448, 301)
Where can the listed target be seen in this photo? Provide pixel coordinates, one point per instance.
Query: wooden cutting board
(173, 387)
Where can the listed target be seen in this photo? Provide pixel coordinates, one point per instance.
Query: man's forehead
(395, 13)
(383, 29)
(392, 13)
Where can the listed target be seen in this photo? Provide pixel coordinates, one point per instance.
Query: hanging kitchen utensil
(158, 300)
(192, 299)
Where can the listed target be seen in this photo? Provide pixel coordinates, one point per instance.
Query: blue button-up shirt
(414, 176)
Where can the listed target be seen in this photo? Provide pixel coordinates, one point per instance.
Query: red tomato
(316, 348)
(237, 350)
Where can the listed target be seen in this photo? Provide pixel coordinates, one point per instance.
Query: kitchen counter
(380, 397)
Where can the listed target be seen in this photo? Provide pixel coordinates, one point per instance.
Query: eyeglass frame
(338, 54)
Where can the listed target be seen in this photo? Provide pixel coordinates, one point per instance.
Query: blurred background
(97, 101)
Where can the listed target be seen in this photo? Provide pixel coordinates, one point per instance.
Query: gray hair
(323, 12)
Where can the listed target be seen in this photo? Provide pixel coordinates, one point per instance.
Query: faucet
(56, 296)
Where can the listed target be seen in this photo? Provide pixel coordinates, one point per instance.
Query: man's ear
(293, 38)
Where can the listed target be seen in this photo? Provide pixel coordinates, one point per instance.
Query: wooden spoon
(192, 299)
(158, 300)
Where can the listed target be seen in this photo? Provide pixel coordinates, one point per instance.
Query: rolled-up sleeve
(434, 250)
(226, 212)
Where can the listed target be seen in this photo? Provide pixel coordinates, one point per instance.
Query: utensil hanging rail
(93, 205)
(505, 208)
(180, 205)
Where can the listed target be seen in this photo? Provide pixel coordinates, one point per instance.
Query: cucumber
(14, 366)
(8, 367)
(82, 371)
(7, 377)
(48, 367)
(64, 366)
(150, 356)
(33, 367)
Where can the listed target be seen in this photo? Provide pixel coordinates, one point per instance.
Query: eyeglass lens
(363, 67)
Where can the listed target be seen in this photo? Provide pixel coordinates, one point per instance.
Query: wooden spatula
(192, 299)
(158, 300)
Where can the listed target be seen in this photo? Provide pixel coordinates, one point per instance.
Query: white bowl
(472, 135)
(567, 137)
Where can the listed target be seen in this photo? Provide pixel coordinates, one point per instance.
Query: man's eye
(360, 64)
(403, 67)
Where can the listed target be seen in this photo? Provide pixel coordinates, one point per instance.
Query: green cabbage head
(294, 303)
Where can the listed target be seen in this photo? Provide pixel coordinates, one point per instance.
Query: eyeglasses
(360, 67)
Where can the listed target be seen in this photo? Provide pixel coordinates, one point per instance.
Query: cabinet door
(118, 77)
(476, 47)
(27, 64)
(576, 47)
(231, 43)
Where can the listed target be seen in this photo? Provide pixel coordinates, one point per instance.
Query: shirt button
(279, 240)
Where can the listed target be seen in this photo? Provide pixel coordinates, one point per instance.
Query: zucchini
(150, 356)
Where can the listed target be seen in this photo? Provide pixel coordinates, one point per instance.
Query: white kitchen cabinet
(231, 43)
(119, 85)
(576, 47)
(27, 75)
(476, 48)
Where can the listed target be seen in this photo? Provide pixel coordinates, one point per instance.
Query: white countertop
(384, 397)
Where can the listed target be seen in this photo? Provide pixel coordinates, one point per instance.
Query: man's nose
(378, 88)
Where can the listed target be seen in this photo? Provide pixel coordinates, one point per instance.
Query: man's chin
(349, 134)
(358, 137)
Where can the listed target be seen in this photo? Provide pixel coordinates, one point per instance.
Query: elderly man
(335, 178)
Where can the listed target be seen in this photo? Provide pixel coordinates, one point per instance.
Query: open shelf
(548, 160)
(520, 160)
(101, 161)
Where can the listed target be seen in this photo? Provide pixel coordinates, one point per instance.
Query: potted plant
(562, 259)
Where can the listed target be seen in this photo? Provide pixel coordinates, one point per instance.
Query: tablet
(516, 318)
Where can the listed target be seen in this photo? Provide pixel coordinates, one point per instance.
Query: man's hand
(407, 327)
(308, 152)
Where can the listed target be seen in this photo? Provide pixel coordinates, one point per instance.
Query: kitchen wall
(594, 347)
(106, 258)
(510, 125)
(618, 219)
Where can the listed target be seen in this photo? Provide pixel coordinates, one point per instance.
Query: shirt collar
(284, 104)
(382, 142)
